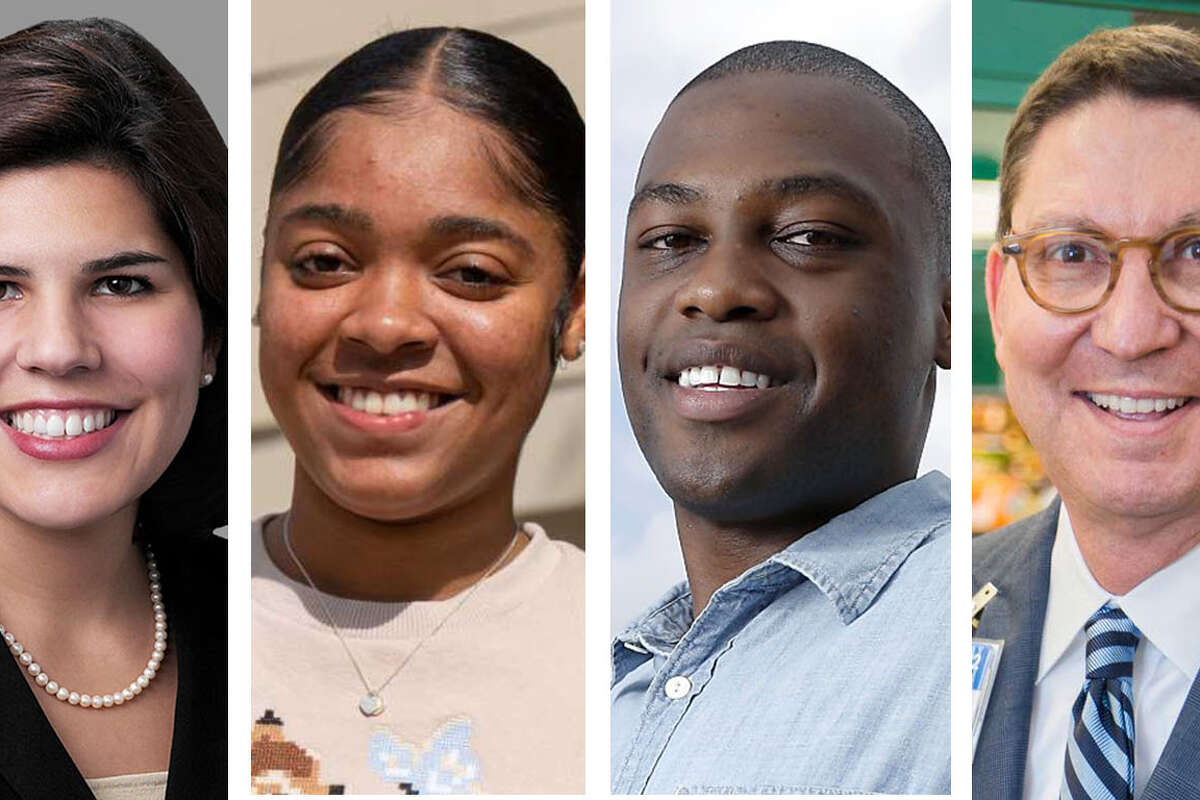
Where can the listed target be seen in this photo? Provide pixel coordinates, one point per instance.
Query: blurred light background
(657, 48)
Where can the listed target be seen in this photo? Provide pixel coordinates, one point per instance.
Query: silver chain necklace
(121, 696)
(371, 704)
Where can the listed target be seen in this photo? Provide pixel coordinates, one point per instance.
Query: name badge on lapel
(981, 599)
(985, 657)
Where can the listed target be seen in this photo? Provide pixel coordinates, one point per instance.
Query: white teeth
(712, 377)
(385, 405)
(1136, 405)
(56, 423)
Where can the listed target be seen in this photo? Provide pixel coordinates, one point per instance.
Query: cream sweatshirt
(492, 703)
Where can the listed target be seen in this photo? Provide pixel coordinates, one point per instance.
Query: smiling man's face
(1109, 396)
(779, 240)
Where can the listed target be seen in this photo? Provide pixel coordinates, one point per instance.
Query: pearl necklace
(371, 704)
(121, 696)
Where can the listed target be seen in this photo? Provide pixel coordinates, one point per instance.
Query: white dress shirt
(1165, 608)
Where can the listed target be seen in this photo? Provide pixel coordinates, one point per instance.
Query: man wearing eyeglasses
(1094, 293)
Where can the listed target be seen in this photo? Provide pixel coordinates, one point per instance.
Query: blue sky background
(656, 48)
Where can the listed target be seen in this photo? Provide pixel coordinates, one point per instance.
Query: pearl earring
(206, 378)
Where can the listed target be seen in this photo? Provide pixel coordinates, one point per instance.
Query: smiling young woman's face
(407, 313)
(101, 345)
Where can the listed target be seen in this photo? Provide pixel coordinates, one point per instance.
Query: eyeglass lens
(1072, 270)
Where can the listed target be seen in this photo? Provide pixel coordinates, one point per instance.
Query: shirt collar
(662, 626)
(1073, 596)
(850, 559)
(1164, 606)
(853, 556)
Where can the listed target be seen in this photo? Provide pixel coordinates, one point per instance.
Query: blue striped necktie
(1099, 763)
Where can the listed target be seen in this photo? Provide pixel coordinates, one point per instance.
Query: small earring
(580, 352)
(206, 378)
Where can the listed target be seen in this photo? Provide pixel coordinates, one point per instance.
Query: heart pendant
(371, 705)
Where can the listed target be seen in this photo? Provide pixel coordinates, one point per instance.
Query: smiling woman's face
(407, 312)
(101, 345)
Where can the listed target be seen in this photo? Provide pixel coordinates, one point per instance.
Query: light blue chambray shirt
(823, 670)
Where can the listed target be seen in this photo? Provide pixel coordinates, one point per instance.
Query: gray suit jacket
(1016, 560)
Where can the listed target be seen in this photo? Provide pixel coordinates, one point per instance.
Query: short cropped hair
(930, 161)
(1148, 62)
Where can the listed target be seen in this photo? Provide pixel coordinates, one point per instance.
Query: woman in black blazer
(113, 409)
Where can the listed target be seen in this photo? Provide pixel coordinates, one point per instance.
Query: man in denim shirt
(784, 305)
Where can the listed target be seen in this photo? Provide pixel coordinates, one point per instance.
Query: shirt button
(678, 687)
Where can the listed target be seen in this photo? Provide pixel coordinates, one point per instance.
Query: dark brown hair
(1149, 62)
(94, 91)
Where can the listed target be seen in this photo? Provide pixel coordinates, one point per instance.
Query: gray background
(656, 49)
(193, 36)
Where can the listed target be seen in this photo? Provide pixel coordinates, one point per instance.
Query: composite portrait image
(311, 485)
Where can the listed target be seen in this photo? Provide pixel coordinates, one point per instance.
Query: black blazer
(33, 762)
